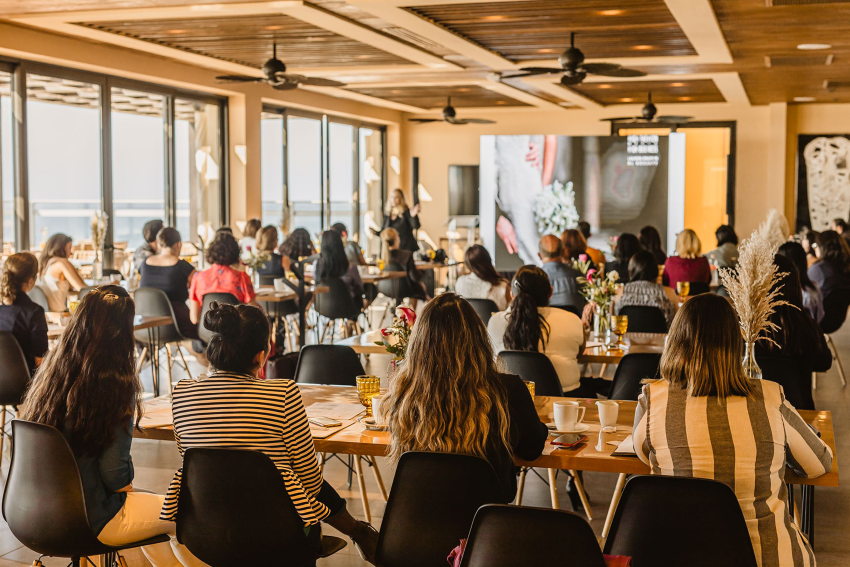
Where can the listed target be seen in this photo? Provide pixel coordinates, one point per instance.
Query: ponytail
(527, 327)
(389, 239)
(17, 271)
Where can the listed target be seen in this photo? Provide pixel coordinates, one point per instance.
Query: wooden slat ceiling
(39, 6)
(540, 29)
(435, 96)
(248, 40)
(628, 92)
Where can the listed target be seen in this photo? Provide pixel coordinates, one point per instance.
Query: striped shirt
(243, 412)
(742, 442)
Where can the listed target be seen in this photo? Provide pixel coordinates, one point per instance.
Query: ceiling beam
(549, 85)
(700, 25)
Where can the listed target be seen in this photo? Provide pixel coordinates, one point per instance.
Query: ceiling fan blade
(600, 68)
(286, 86)
(239, 79)
(568, 80)
(623, 119)
(673, 118)
(478, 121)
(455, 121)
(620, 72)
(424, 120)
(541, 70)
(321, 82)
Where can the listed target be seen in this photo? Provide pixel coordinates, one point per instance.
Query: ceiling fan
(648, 115)
(574, 68)
(275, 75)
(450, 116)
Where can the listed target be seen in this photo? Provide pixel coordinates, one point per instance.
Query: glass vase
(601, 322)
(751, 367)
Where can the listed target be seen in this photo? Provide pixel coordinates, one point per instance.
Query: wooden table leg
(615, 499)
(553, 488)
(520, 486)
(378, 478)
(582, 495)
(363, 494)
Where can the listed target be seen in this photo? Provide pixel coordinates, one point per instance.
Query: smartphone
(569, 440)
(324, 421)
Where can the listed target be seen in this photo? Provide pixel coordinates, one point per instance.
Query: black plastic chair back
(519, 536)
(205, 334)
(484, 307)
(85, 291)
(698, 288)
(152, 302)
(336, 303)
(268, 279)
(534, 367)
(234, 511)
(788, 373)
(645, 319)
(835, 307)
(701, 522)
(633, 368)
(433, 500)
(396, 288)
(16, 374)
(334, 365)
(38, 297)
(107, 272)
(43, 502)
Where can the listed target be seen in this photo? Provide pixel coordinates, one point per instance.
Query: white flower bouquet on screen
(555, 209)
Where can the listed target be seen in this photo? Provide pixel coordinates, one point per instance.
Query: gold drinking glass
(683, 289)
(432, 254)
(619, 326)
(530, 385)
(367, 387)
(72, 306)
(381, 264)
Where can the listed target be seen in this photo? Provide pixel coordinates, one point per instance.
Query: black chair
(234, 511)
(433, 500)
(534, 367)
(633, 368)
(795, 381)
(395, 289)
(107, 272)
(205, 334)
(38, 297)
(835, 307)
(698, 288)
(485, 308)
(515, 536)
(335, 304)
(153, 302)
(14, 380)
(84, 291)
(328, 364)
(645, 319)
(695, 522)
(43, 502)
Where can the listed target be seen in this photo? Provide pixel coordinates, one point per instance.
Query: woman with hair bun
(231, 407)
(18, 314)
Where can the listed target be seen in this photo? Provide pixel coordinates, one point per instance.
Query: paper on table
(157, 413)
(626, 448)
(591, 344)
(339, 412)
(319, 432)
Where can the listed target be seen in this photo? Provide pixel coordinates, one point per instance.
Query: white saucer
(580, 428)
(369, 423)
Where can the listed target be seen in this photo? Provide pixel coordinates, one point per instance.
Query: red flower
(385, 332)
(407, 315)
(248, 248)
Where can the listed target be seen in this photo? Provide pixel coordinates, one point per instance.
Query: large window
(342, 175)
(7, 171)
(272, 163)
(304, 169)
(371, 171)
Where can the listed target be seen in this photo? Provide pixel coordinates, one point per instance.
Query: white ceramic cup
(568, 415)
(376, 409)
(279, 285)
(608, 412)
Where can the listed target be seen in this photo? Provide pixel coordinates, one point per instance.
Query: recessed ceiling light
(500, 102)
(545, 51)
(685, 98)
(272, 28)
(804, 99)
(464, 90)
(813, 46)
(677, 84)
(494, 18)
(363, 56)
(603, 86)
(643, 47)
(610, 12)
(627, 100)
(176, 31)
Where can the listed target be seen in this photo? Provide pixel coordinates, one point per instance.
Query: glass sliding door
(272, 151)
(63, 156)
(304, 170)
(371, 187)
(7, 164)
(342, 175)
(138, 164)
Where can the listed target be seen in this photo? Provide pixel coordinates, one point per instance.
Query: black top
(528, 435)
(660, 256)
(170, 279)
(351, 277)
(273, 267)
(622, 269)
(404, 225)
(27, 323)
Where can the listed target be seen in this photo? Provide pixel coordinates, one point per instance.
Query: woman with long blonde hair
(403, 219)
(687, 265)
(449, 396)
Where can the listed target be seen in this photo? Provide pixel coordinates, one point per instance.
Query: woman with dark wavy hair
(88, 389)
(530, 324)
(832, 270)
(222, 253)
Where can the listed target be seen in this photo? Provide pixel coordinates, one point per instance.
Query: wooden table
(595, 455)
(268, 294)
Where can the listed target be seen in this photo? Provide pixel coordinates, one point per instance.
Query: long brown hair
(704, 350)
(447, 395)
(87, 384)
(478, 260)
(17, 271)
(574, 243)
(53, 248)
(527, 327)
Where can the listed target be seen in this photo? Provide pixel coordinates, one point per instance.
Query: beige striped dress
(242, 412)
(743, 442)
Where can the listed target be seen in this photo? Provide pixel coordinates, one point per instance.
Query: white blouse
(473, 287)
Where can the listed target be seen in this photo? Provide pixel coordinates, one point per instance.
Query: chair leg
(364, 496)
(183, 358)
(141, 360)
(520, 486)
(168, 362)
(378, 478)
(814, 380)
(553, 488)
(837, 360)
(2, 429)
(582, 495)
(618, 491)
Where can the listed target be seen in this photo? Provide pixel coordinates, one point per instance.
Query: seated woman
(449, 377)
(296, 246)
(651, 241)
(18, 314)
(333, 263)
(232, 407)
(832, 270)
(482, 281)
(643, 288)
(705, 419)
(57, 275)
(726, 253)
(249, 235)
(393, 254)
(222, 253)
(575, 247)
(530, 324)
(627, 246)
(687, 265)
(88, 389)
(166, 271)
(812, 296)
(797, 337)
(267, 242)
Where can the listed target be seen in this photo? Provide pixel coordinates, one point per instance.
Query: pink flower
(248, 248)
(407, 315)
(582, 257)
(385, 332)
(590, 275)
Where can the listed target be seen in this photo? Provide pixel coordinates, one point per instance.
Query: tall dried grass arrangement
(99, 222)
(775, 228)
(751, 287)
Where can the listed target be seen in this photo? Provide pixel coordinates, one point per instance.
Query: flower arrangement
(396, 337)
(775, 229)
(255, 259)
(99, 222)
(599, 289)
(555, 209)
